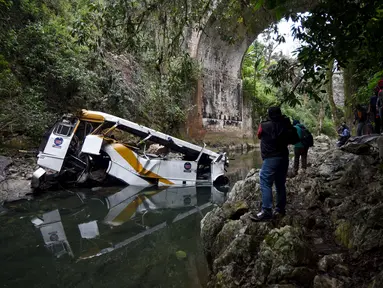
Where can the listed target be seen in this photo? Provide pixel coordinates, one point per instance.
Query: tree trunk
(321, 117)
(348, 94)
(330, 95)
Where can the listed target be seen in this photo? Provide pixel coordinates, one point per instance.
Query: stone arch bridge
(219, 105)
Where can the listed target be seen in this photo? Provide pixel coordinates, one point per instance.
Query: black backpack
(307, 138)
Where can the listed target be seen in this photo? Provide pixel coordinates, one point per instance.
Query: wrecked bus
(78, 147)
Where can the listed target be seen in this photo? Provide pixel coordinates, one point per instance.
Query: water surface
(111, 237)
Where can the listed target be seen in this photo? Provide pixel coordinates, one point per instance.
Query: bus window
(63, 129)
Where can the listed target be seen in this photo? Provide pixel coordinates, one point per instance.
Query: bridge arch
(219, 103)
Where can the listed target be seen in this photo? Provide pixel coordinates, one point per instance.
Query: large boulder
(15, 189)
(366, 144)
(247, 190)
(15, 176)
(284, 256)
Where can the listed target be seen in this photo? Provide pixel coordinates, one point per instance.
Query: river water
(111, 237)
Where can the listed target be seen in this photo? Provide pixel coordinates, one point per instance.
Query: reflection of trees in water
(149, 262)
(242, 164)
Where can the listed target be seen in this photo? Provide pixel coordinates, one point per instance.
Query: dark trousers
(342, 140)
(377, 125)
(360, 128)
(274, 170)
(300, 153)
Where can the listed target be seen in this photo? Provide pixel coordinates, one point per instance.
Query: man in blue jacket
(300, 151)
(276, 134)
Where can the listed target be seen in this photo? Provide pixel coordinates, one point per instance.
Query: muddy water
(112, 237)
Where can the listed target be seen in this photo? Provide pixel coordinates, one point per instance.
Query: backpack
(307, 138)
(291, 134)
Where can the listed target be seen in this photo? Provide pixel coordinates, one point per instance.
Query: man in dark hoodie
(276, 134)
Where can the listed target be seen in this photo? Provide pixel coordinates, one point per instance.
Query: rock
(225, 277)
(329, 261)
(14, 189)
(322, 281)
(344, 234)
(211, 225)
(4, 163)
(342, 270)
(247, 190)
(332, 161)
(363, 230)
(363, 145)
(331, 202)
(379, 143)
(237, 251)
(302, 275)
(338, 200)
(318, 241)
(235, 209)
(252, 173)
(226, 236)
(280, 253)
(157, 149)
(13, 170)
(175, 156)
(281, 286)
(322, 139)
(377, 281)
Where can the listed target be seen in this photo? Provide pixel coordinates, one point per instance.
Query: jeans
(359, 130)
(300, 152)
(274, 170)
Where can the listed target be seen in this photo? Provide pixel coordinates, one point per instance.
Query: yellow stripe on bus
(128, 212)
(133, 161)
(131, 208)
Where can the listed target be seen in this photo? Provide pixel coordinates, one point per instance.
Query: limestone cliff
(330, 237)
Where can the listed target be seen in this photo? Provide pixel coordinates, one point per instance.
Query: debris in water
(181, 254)
(37, 221)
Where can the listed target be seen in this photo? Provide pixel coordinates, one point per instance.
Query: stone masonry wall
(338, 89)
(219, 100)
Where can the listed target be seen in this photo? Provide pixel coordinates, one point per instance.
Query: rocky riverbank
(331, 236)
(15, 176)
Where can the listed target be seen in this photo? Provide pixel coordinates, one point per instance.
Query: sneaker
(262, 216)
(279, 214)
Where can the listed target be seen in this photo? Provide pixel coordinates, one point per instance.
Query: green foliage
(348, 31)
(60, 56)
(259, 90)
(366, 91)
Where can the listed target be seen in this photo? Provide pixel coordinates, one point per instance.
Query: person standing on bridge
(275, 134)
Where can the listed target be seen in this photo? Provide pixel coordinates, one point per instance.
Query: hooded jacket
(276, 134)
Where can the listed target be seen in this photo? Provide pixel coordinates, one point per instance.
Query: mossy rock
(344, 234)
(226, 236)
(234, 210)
